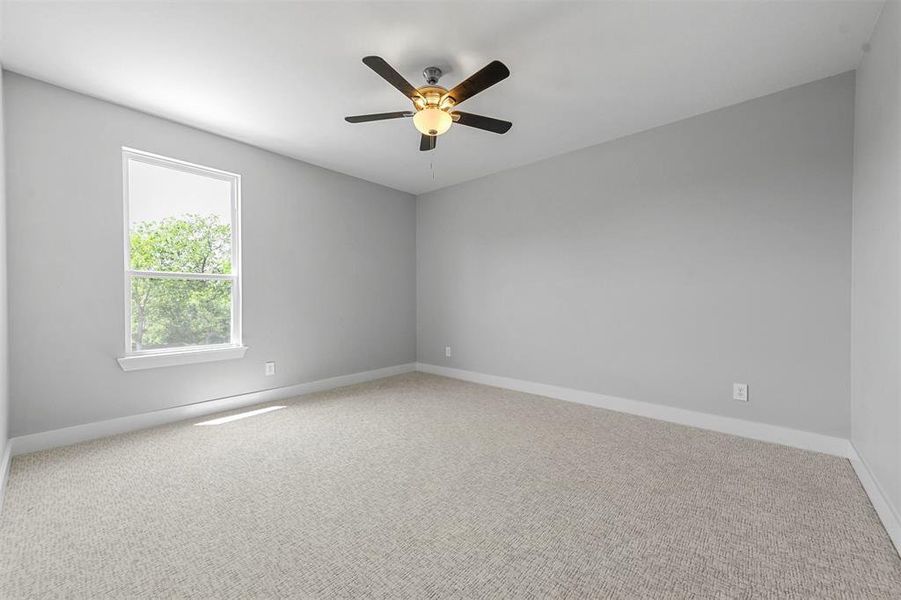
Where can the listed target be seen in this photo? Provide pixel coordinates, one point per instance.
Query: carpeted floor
(419, 486)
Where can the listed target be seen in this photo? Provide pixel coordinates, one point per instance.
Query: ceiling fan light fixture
(432, 120)
(436, 106)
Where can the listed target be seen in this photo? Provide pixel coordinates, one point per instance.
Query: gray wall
(876, 297)
(4, 346)
(329, 264)
(663, 266)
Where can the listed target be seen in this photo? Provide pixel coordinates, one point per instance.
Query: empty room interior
(437, 299)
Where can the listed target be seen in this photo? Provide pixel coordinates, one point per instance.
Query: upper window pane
(178, 221)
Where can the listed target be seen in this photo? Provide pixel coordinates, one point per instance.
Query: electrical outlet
(447, 352)
(740, 392)
(270, 369)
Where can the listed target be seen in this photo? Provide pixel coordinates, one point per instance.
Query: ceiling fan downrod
(432, 75)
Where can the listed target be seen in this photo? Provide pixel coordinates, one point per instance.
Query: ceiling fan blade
(428, 142)
(379, 116)
(481, 80)
(378, 64)
(482, 122)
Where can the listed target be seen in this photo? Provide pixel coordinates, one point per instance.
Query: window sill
(138, 362)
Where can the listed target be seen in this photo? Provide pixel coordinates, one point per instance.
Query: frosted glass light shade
(432, 121)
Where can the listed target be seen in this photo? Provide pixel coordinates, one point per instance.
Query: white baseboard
(890, 518)
(90, 431)
(805, 440)
(4, 471)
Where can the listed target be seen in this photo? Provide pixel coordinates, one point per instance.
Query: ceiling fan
(434, 105)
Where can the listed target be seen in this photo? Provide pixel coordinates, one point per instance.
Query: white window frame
(165, 357)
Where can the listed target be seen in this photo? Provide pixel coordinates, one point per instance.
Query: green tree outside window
(168, 312)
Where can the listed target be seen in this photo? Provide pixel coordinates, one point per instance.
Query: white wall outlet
(270, 369)
(447, 352)
(740, 392)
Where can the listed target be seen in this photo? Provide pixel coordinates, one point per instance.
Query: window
(182, 261)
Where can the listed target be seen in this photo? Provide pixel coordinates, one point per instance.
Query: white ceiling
(282, 75)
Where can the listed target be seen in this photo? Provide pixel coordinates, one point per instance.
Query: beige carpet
(423, 487)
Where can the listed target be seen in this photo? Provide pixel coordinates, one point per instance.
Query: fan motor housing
(431, 95)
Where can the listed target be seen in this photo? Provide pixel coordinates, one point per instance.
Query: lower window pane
(171, 313)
